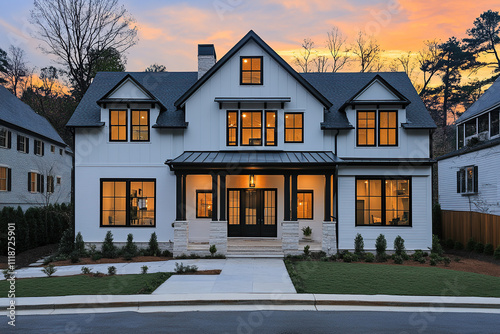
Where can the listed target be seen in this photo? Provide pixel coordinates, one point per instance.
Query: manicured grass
(86, 285)
(370, 279)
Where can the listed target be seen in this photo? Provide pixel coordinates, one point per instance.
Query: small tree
(399, 246)
(79, 244)
(359, 245)
(213, 250)
(49, 270)
(130, 249)
(381, 246)
(66, 245)
(436, 245)
(154, 249)
(108, 248)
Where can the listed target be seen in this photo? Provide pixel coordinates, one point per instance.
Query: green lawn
(370, 279)
(85, 285)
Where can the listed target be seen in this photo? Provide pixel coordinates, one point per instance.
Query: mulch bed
(24, 259)
(88, 260)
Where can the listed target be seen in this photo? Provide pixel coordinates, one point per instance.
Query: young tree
(484, 37)
(368, 52)
(336, 44)
(303, 59)
(71, 29)
(156, 68)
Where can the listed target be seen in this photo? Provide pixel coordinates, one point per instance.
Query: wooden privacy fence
(462, 225)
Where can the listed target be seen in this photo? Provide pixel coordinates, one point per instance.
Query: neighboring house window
(494, 124)
(128, 203)
(50, 184)
(23, 144)
(203, 203)
(140, 125)
(271, 133)
(483, 122)
(58, 180)
(39, 148)
(251, 71)
(52, 149)
(232, 128)
(118, 125)
(35, 182)
(305, 204)
(460, 136)
(366, 125)
(5, 138)
(294, 127)
(470, 128)
(388, 128)
(60, 151)
(251, 128)
(383, 202)
(5, 179)
(467, 180)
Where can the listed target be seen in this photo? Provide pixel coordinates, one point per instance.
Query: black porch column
(222, 194)
(180, 197)
(328, 197)
(286, 206)
(294, 198)
(214, 197)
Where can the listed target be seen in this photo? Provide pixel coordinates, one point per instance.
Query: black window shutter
(463, 176)
(9, 139)
(29, 181)
(41, 183)
(9, 179)
(43, 148)
(38, 182)
(35, 142)
(27, 144)
(476, 183)
(458, 182)
(18, 142)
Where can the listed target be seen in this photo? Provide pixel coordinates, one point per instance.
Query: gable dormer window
(366, 128)
(118, 125)
(140, 125)
(251, 71)
(377, 131)
(388, 127)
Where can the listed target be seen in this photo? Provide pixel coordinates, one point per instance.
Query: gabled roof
(252, 36)
(341, 87)
(354, 99)
(490, 99)
(15, 113)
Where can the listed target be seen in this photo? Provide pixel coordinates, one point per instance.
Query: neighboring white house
(248, 148)
(468, 179)
(35, 163)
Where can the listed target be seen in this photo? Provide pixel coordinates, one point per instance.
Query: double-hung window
(118, 125)
(39, 147)
(494, 124)
(294, 127)
(5, 138)
(305, 204)
(232, 128)
(467, 180)
(23, 144)
(251, 128)
(203, 203)
(251, 71)
(5, 179)
(271, 128)
(140, 125)
(35, 182)
(369, 127)
(366, 125)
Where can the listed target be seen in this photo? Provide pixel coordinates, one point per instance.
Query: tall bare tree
(429, 60)
(71, 29)
(368, 51)
(17, 69)
(336, 44)
(303, 59)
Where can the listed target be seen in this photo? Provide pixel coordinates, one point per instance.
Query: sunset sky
(169, 31)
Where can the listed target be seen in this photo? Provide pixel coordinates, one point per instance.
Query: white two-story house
(248, 150)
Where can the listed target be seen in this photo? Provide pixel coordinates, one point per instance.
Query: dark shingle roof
(340, 87)
(489, 99)
(13, 111)
(470, 149)
(165, 86)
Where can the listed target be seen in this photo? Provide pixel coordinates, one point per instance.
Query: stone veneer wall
(329, 240)
(290, 237)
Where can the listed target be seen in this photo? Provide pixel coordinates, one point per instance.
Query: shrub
(324, 259)
(74, 256)
(457, 259)
(144, 270)
(436, 245)
(167, 253)
(49, 270)
(381, 246)
(130, 248)
(96, 256)
(307, 231)
(446, 261)
(417, 255)
(6, 273)
(127, 256)
(398, 259)
(399, 246)
(108, 248)
(86, 270)
(359, 245)
(421, 260)
(355, 257)
(497, 253)
(347, 257)
(306, 251)
(458, 245)
(213, 250)
(66, 245)
(471, 245)
(333, 257)
(182, 269)
(80, 245)
(369, 257)
(153, 249)
(449, 243)
(111, 270)
(488, 249)
(479, 248)
(433, 262)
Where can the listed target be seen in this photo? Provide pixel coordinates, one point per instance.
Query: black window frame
(275, 127)
(294, 127)
(25, 143)
(495, 113)
(301, 191)
(7, 137)
(241, 128)
(482, 121)
(203, 192)
(379, 127)
(228, 143)
(60, 151)
(366, 128)
(462, 180)
(132, 126)
(127, 201)
(469, 125)
(8, 179)
(261, 70)
(383, 200)
(460, 136)
(111, 126)
(38, 147)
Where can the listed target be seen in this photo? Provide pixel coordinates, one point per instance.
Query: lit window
(271, 132)
(35, 183)
(251, 128)
(232, 128)
(114, 203)
(118, 125)
(251, 70)
(142, 203)
(5, 179)
(388, 127)
(203, 204)
(467, 180)
(305, 204)
(140, 125)
(294, 127)
(366, 128)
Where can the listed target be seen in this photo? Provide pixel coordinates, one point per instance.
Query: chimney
(206, 58)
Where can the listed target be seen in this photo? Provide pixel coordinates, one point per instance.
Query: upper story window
(118, 125)
(52, 149)
(232, 128)
(294, 127)
(60, 151)
(140, 125)
(368, 123)
(251, 128)
(23, 144)
(483, 123)
(494, 128)
(5, 138)
(467, 180)
(388, 129)
(470, 128)
(251, 71)
(271, 128)
(460, 135)
(39, 148)
(5, 179)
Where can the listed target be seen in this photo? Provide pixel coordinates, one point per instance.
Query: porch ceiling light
(252, 181)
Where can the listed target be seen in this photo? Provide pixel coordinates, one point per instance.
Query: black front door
(252, 212)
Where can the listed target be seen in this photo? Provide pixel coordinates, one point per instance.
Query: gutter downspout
(336, 211)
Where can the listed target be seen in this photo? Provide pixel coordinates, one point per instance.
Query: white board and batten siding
(487, 199)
